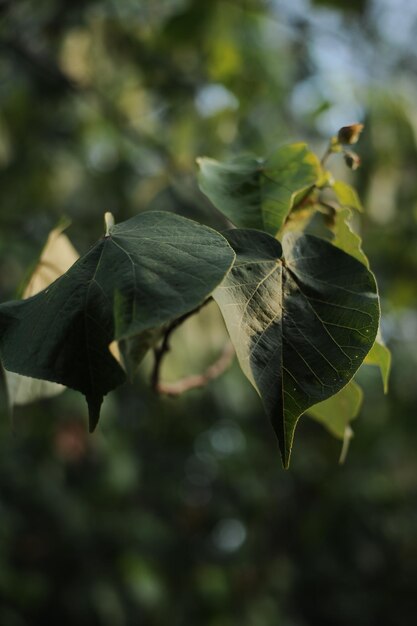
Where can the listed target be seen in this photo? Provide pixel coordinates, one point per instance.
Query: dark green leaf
(156, 266)
(259, 193)
(301, 324)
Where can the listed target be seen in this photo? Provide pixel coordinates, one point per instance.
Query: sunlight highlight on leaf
(302, 319)
(259, 193)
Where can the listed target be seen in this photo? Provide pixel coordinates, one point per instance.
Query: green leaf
(131, 350)
(301, 324)
(55, 259)
(346, 195)
(345, 238)
(337, 412)
(4, 393)
(23, 390)
(380, 355)
(259, 193)
(157, 266)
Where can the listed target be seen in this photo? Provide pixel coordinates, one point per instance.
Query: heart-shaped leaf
(146, 272)
(301, 322)
(259, 193)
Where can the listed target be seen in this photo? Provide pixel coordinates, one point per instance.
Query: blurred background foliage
(178, 512)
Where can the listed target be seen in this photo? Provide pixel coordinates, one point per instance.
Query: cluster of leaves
(290, 278)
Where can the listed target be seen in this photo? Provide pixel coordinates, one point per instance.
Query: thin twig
(164, 347)
(328, 153)
(159, 353)
(334, 147)
(196, 381)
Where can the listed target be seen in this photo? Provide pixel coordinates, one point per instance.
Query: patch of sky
(215, 98)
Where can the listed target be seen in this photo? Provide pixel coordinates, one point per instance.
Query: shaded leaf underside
(301, 324)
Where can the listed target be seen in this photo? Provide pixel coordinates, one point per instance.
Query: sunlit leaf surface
(259, 193)
(302, 318)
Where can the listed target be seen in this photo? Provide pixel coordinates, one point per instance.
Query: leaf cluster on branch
(290, 278)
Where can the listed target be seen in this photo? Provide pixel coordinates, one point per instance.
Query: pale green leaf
(259, 193)
(23, 389)
(346, 195)
(337, 412)
(4, 394)
(380, 355)
(345, 237)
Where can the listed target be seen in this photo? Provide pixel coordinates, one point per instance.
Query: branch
(327, 154)
(164, 347)
(196, 381)
(332, 147)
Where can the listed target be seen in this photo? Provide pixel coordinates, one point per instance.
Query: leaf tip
(94, 405)
(285, 461)
(285, 448)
